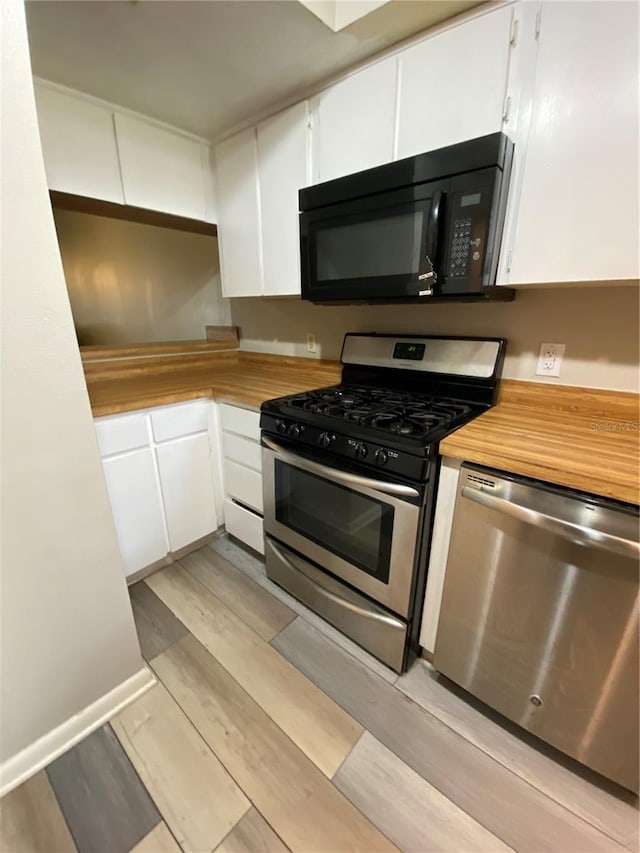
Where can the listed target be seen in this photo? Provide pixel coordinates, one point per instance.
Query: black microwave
(424, 228)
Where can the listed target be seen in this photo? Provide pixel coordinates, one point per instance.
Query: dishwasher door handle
(560, 526)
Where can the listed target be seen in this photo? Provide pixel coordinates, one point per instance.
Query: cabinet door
(186, 480)
(161, 170)
(78, 144)
(354, 122)
(238, 215)
(136, 505)
(577, 218)
(283, 169)
(453, 84)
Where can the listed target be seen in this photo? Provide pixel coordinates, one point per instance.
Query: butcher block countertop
(247, 379)
(582, 438)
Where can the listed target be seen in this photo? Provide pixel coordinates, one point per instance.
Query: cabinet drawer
(241, 450)
(120, 433)
(241, 421)
(176, 421)
(243, 484)
(244, 525)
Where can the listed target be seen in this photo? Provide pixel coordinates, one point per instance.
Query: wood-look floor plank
(255, 570)
(616, 815)
(31, 820)
(254, 605)
(410, 811)
(252, 835)
(519, 814)
(195, 795)
(159, 840)
(104, 802)
(156, 625)
(297, 800)
(320, 727)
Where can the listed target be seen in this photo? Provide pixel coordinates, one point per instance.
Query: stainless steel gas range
(350, 474)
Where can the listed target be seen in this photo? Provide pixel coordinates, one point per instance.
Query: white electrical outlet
(550, 359)
(311, 343)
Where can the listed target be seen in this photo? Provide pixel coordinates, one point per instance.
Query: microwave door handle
(432, 239)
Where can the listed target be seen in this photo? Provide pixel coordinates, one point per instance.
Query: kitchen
(178, 425)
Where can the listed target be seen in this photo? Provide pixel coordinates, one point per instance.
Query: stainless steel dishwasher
(539, 614)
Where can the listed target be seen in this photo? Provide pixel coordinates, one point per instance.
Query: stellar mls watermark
(614, 426)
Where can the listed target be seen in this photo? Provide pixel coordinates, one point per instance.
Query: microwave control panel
(469, 213)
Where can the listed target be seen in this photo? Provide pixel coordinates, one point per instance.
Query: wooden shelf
(97, 207)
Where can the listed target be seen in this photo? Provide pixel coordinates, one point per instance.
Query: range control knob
(281, 426)
(361, 450)
(325, 439)
(381, 456)
(295, 430)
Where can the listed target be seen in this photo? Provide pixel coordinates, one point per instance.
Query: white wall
(599, 326)
(132, 283)
(68, 648)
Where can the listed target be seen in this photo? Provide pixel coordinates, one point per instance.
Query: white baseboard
(37, 755)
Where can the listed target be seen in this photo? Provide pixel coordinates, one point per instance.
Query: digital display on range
(409, 352)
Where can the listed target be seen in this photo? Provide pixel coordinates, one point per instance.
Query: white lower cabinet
(159, 469)
(243, 505)
(132, 484)
(187, 489)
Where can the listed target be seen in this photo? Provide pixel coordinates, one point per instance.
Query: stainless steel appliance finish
(383, 634)
(395, 591)
(539, 615)
(349, 477)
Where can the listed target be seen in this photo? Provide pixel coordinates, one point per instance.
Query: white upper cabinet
(453, 85)
(354, 122)
(237, 200)
(283, 169)
(78, 144)
(161, 170)
(577, 214)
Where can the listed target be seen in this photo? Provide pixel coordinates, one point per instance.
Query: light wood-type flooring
(269, 731)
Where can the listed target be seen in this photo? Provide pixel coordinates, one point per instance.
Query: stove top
(383, 410)
(399, 396)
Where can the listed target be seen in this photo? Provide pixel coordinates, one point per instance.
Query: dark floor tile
(156, 625)
(106, 806)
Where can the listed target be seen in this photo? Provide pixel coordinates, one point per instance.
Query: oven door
(359, 529)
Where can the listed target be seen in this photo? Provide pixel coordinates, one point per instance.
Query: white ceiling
(210, 65)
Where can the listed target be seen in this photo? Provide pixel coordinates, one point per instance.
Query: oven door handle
(341, 476)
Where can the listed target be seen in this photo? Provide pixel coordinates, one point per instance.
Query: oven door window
(353, 526)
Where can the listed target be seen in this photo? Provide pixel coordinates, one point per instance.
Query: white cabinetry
(258, 174)
(96, 150)
(79, 145)
(354, 121)
(283, 169)
(577, 214)
(159, 470)
(239, 216)
(453, 85)
(187, 489)
(242, 475)
(161, 170)
(132, 483)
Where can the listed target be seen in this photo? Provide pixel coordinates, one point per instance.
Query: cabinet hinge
(506, 109)
(509, 259)
(538, 22)
(514, 33)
